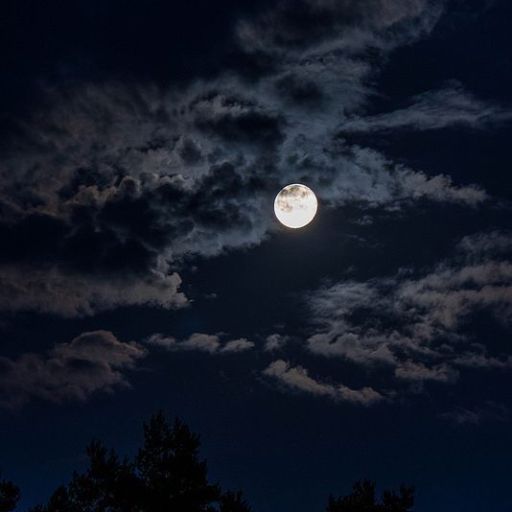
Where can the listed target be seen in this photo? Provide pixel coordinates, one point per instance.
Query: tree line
(168, 475)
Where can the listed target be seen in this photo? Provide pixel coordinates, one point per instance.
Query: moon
(295, 206)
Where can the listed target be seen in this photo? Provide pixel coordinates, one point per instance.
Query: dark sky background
(141, 266)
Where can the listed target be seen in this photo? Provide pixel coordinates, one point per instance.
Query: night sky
(142, 145)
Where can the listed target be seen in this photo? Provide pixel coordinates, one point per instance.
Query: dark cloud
(300, 25)
(434, 110)
(492, 244)
(299, 90)
(237, 119)
(90, 363)
(109, 189)
(419, 372)
(489, 411)
(201, 342)
(50, 290)
(416, 324)
(297, 378)
(275, 342)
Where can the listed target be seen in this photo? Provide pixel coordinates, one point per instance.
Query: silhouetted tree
(166, 476)
(233, 502)
(172, 475)
(363, 499)
(9, 496)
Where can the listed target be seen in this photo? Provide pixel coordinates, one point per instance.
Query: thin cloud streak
(297, 378)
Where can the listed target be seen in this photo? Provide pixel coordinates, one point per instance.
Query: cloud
(433, 110)
(297, 378)
(419, 372)
(344, 174)
(239, 345)
(275, 342)
(201, 342)
(418, 326)
(90, 363)
(489, 411)
(298, 26)
(493, 243)
(74, 294)
(108, 190)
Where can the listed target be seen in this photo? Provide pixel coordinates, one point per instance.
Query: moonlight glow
(295, 206)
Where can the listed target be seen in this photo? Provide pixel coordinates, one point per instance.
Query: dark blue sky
(142, 268)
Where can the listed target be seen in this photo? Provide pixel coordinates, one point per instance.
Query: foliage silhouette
(167, 475)
(9, 496)
(363, 499)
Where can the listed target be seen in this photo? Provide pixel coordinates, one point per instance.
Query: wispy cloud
(108, 190)
(416, 325)
(297, 378)
(49, 290)
(275, 342)
(433, 110)
(489, 411)
(90, 363)
(201, 342)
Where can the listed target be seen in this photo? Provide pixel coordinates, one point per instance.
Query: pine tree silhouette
(167, 475)
(363, 499)
(9, 496)
(173, 477)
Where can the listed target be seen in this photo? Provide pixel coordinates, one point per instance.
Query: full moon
(295, 206)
